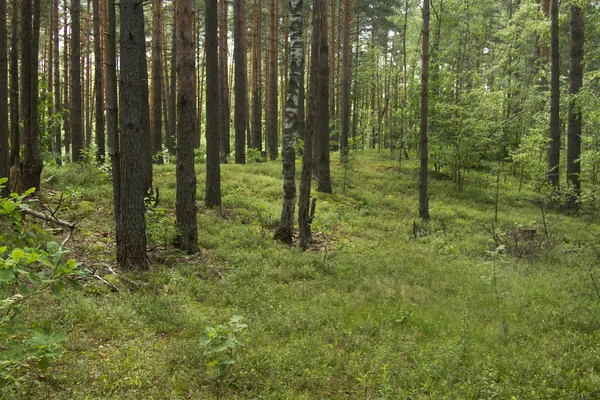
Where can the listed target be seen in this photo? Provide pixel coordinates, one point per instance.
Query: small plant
(221, 342)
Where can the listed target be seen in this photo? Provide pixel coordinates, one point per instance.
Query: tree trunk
(15, 158)
(346, 81)
(67, 87)
(4, 133)
(76, 116)
(173, 90)
(187, 239)
(257, 76)
(157, 79)
(57, 86)
(224, 108)
(241, 88)
(87, 104)
(554, 148)
(322, 111)
(286, 223)
(423, 196)
(576, 81)
(134, 131)
(98, 85)
(272, 131)
(213, 169)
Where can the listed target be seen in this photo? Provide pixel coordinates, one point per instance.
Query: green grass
(377, 313)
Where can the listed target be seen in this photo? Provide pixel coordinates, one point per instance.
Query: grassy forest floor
(383, 306)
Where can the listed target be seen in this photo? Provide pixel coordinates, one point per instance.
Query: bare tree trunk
(57, 86)
(213, 168)
(87, 105)
(241, 88)
(15, 158)
(76, 91)
(187, 239)
(157, 80)
(286, 223)
(346, 81)
(257, 76)
(575, 122)
(554, 148)
(423, 195)
(67, 86)
(322, 112)
(99, 85)
(224, 108)
(173, 89)
(272, 131)
(4, 133)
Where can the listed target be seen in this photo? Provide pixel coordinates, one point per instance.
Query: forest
(345, 199)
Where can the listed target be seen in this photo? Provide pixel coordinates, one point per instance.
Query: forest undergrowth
(382, 306)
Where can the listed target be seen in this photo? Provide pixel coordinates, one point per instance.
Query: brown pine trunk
(88, 96)
(4, 133)
(423, 196)
(241, 88)
(165, 89)
(49, 63)
(99, 85)
(213, 168)
(187, 239)
(554, 148)
(76, 91)
(322, 112)
(66, 81)
(57, 86)
(224, 108)
(157, 80)
(173, 88)
(15, 134)
(346, 81)
(272, 131)
(332, 58)
(257, 76)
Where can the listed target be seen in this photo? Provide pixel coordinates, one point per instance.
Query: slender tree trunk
(15, 158)
(213, 168)
(224, 108)
(241, 88)
(575, 122)
(187, 239)
(286, 223)
(49, 63)
(423, 195)
(346, 80)
(4, 133)
(99, 85)
(57, 86)
(257, 77)
(67, 86)
(88, 96)
(272, 131)
(173, 88)
(554, 148)
(112, 121)
(165, 89)
(76, 115)
(302, 92)
(322, 112)
(157, 80)
(134, 131)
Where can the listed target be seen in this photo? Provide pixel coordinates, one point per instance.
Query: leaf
(17, 255)
(43, 363)
(7, 275)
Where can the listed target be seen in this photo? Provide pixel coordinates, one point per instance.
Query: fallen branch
(101, 279)
(70, 225)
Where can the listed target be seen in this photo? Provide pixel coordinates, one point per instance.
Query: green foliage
(221, 341)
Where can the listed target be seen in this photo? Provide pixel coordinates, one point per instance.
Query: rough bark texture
(272, 131)
(156, 115)
(554, 148)
(286, 223)
(99, 86)
(576, 81)
(14, 95)
(112, 120)
(66, 81)
(424, 152)
(76, 90)
(172, 139)
(133, 103)
(322, 113)
(32, 158)
(224, 108)
(346, 81)
(213, 169)
(187, 239)
(4, 153)
(256, 76)
(57, 86)
(241, 86)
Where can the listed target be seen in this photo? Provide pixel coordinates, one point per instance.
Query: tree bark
(76, 91)
(187, 239)
(57, 86)
(157, 79)
(575, 122)
(15, 158)
(171, 141)
(322, 112)
(346, 80)
(67, 87)
(241, 86)
(4, 133)
(554, 148)
(424, 152)
(99, 86)
(134, 131)
(257, 76)
(224, 108)
(213, 168)
(286, 223)
(271, 128)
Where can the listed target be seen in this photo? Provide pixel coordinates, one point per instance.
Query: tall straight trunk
(99, 85)
(554, 148)
(286, 223)
(76, 91)
(157, 80)
(187, 239)
(87, 105)
(4, 133)
(257, 76)
(112, 120)
(32, 158)
(49, 63)
(173, 89)
(241, 88)
(224, 108)
(57, 86)
(213, 168)
(165, 87)
(424, 152)
(332, 60)
(67, 81)
(134, 131)
(322, 112)
(575, 122)
(302, 92)
(346, 80)
(15, 135)
(272, 113)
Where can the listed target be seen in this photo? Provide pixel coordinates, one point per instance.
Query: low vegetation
(382, 306)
